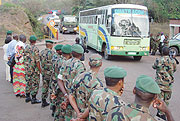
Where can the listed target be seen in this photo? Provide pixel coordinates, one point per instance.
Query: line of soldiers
(158, 42)
(78, 94)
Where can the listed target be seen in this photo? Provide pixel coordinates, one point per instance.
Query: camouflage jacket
(70, 69)
(131, 112)
(101, 102)
(57, 62)
(46, 61)
(31, 58)
(165, 68)
(83, 86)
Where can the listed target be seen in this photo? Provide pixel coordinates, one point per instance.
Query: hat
(95, 60)
(32, 37)
(147, 84)
(115, 72)
(49, 41)
(78, 48)
(9, 32)
(66, 49)
(58, 47)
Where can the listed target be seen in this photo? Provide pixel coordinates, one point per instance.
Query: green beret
(147, 84)
(95, 60)
(78, 48)
(49, 41)
(66, 49)
(115, 72)
(58, 47)
(32, 37)
(9, 32)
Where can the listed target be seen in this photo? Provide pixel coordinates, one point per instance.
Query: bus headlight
(144, 48)
(117, 47)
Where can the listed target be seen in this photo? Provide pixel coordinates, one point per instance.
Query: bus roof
(120, 6)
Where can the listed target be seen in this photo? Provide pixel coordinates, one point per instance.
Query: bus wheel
(137, 58)
(106, 56)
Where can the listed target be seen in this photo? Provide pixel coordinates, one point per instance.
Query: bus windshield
(70, 19)
(129, 22)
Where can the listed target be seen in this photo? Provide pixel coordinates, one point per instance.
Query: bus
(120, 29)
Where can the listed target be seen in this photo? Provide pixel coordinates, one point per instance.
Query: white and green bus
(120, 29)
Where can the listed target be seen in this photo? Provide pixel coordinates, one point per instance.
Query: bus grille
(132, 41)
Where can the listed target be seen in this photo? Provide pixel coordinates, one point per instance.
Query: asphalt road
(15, 109)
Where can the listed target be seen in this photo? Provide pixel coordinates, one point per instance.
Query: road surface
(15, 109)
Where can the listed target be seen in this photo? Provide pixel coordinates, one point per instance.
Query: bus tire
(137, 58)
(106, 56)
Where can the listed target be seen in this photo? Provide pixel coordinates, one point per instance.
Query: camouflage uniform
(165, 68)
(155, 45)
(70, 70)
(59, 113)
(31, 58)
(131, 112)
(151, 42)
(83, 86)
(53, 79)
(46, 65)
(101, 102)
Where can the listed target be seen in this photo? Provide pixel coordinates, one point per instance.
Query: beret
(49, 41)
(78, 48)
(32, 37)
(9, 32)
(147, 84)
(115, 72)
(95, 60)
(66, 49)
(58, 47)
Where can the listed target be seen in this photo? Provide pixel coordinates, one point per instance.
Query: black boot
(44, 103)
(28, 98)
(34, 100)
(53, 108)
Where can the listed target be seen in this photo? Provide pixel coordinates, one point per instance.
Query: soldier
(72, 68)
(156, 44)
(102, 101)
(46, 65)
(32, 70)
(151, 42)
(55, 58)
(84, 84)
(58, 94)
(165, 68)
(166, 41)
(145, 91)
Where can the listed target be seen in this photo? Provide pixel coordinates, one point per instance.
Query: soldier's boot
(53, 108)
(44, 103)
(28, 98)
(34, 100)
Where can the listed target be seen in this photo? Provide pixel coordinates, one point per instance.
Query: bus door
(98, 24)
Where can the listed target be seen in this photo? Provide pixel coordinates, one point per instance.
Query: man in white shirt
(161, 41)
(11, 51)
(22, 41)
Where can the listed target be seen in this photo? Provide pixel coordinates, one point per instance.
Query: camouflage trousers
(32, 85)
(45, 87)
(165, 96)
(69, 113)
(59, 113)
(154, 48)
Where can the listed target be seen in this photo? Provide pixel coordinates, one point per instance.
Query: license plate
(131, 42)
(131, 53)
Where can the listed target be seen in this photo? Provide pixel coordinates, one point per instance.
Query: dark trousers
(11, 73)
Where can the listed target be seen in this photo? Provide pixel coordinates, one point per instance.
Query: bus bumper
(130, 53)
